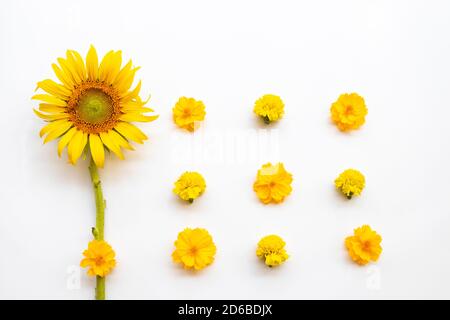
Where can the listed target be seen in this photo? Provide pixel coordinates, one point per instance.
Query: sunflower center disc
(95, 106)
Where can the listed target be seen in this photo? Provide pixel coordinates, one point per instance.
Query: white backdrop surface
(228, 53)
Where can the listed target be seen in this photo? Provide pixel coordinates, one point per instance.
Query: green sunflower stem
(99, 230)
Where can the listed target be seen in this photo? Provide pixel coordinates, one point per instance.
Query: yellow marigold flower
(351, 182)
(194, 249)
(364, 246)
(271, 249)
(187, 112)
(349, 111)
(270, 107)
(189, 186)
(99, 257)
(92, 106)
(273, 183)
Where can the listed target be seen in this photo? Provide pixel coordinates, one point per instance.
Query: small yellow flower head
(351, 182)
(273, 183)
(189, 186)
(194, 249)
(271, 249)
(349, 111)
(269, 107)
(99, 257)
(364, 246)
(187, 112)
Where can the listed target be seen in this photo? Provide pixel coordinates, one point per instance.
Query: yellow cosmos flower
(92, 106)
(273, 183)
(189, 186)
(271, 249)
(187, 112)
(269, 107)
(364, 246)
(194, 249)
(349, 111)
(99, 257)
(351, 182)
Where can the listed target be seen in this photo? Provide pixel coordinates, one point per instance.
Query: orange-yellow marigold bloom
(351, 183)
(269, 107)
(99, 257)
(273, 183)
(188, 112)
(271, 249)
(349, 111)
(194, 249)
(364, 246)
(189, 186)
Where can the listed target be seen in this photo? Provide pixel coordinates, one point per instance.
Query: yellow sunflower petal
(130, 132)
(76, 146)
(69, 70)
(54, 89)
(51, 117)
(73, 67)
(120, 141)
(51, 126)
(109, 142)
(50, 108)
(114, 68)
(58, 131)
(130, 109)
(50, 99)
(65, 140)
(104, 66)
(132, 94)
(63, 77)
(126, 80)
(78, 63)
(122, 75)
(92, 64)
(97, 150)
(135, 103)
(136, 117)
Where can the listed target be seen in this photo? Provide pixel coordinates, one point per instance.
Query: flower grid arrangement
(91, 110)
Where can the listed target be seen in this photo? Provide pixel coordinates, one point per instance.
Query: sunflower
(92, 106)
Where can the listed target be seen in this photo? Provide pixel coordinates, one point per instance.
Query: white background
(394, 53)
